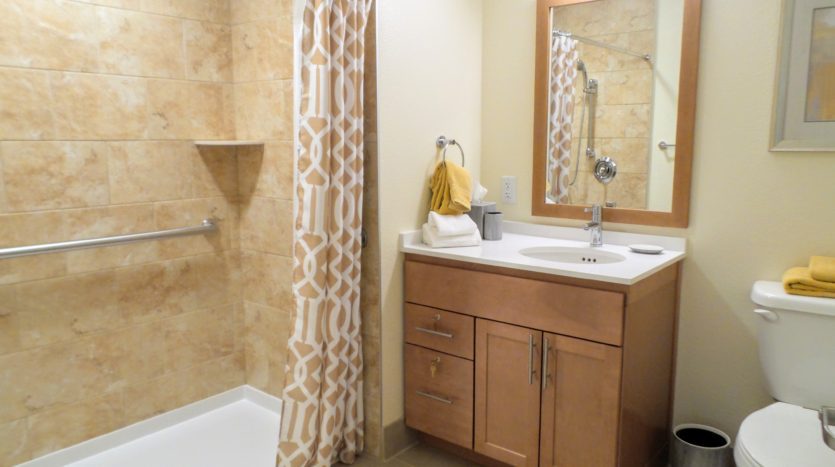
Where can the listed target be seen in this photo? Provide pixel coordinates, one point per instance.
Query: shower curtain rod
(646, 57)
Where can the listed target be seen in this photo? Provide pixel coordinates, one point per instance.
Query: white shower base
(231, 429)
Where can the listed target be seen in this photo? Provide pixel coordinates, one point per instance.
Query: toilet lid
(783, 435)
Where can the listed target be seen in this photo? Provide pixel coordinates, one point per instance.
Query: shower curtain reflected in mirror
(561, 113)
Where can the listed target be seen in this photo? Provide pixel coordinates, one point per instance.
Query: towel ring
(443, 143)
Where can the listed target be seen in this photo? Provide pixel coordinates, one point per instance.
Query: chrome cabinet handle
(434, 332)
(531, 369)
(433, 397)
(546, 347)
(826, 430)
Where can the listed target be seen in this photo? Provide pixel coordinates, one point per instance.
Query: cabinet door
(507, 392)
(580, 403)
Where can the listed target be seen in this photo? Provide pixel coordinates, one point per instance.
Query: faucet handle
(595, 211)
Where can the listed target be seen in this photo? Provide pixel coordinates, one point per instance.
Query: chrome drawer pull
(546, 347)
(433, 397)
(435, 333)
(531, 369)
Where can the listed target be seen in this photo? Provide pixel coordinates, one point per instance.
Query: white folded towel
(451, 225)
(431, 238)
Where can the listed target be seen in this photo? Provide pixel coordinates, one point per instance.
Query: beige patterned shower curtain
(322, 420)
(560, 116)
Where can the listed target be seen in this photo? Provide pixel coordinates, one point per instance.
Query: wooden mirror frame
(680, 214)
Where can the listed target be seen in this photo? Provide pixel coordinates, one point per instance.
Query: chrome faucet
(596, 225)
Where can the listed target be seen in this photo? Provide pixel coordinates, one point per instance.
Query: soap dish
(646, 249)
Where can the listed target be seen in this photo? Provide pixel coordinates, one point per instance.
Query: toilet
(796, 337)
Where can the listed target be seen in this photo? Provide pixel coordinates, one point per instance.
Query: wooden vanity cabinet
(557, 371)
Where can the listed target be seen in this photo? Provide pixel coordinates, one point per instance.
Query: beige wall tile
(48, 175)
(63, 426)
(127, 4)
(628, 190)
(187, 110)
(88, 106)
(243, 11)
(208, 51)
(25, 113)
(263, 49)
(139, 44)
(140, 351)
(215, 172)
(194, 338)
(173, 214)
(28, 229)
(51, 34)
(13, 447)
(50, 376)
(267, 279)
(266, 171)
(264, 110)
(631, 154)
(150, 171)
(111, 220)
(9, 322)
(267, 331)
(204, 10)
(65, 308)
(157, 290)
(625, 87)
(267, 225)
(623, 121)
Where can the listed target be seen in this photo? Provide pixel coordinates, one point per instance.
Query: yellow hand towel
(451, 189)
(798, 281)
(822, 268)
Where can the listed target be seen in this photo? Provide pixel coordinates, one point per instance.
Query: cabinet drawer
(439, 330)
(591, 314)
(439, 403)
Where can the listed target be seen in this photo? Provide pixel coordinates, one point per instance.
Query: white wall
(667, 61)
(429, 83)
(753, 213)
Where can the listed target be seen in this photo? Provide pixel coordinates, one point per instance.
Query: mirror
(614, 108)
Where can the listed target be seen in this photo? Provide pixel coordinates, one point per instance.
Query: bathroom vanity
(540, 363)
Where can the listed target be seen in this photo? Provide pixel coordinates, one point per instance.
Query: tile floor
(419, 455)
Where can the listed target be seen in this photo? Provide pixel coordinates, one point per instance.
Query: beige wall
(97, 116)
(429, 83)
(753, 213)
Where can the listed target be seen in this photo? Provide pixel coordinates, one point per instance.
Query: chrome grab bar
(434, 333)
(207, 226)
(433, 397)
(827, 416)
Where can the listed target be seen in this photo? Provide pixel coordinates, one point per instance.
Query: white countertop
(517, 235)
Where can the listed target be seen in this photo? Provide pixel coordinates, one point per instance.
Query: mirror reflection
(612, 103)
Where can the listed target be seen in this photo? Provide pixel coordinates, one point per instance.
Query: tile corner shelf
(228, 142)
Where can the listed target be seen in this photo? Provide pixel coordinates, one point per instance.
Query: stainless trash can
(697, 445)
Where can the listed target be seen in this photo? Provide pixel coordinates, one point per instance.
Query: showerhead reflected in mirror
(613, 79)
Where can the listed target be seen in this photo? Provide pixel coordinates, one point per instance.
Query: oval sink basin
(575, 255)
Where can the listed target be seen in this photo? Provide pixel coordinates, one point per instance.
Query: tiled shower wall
(101, 102)
(624, 101)
(99, 107)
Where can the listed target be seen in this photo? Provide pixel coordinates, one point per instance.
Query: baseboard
(154, 424)
(397, 437)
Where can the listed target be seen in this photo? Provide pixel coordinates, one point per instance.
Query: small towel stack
(445, 231)
(816, 280)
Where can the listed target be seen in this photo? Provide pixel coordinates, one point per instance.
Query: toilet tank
(797, 345)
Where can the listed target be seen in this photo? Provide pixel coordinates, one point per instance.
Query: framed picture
(804, 106)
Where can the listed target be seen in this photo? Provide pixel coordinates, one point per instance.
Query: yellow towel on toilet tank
(822, 268)
(451, 189)
(798, 281)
